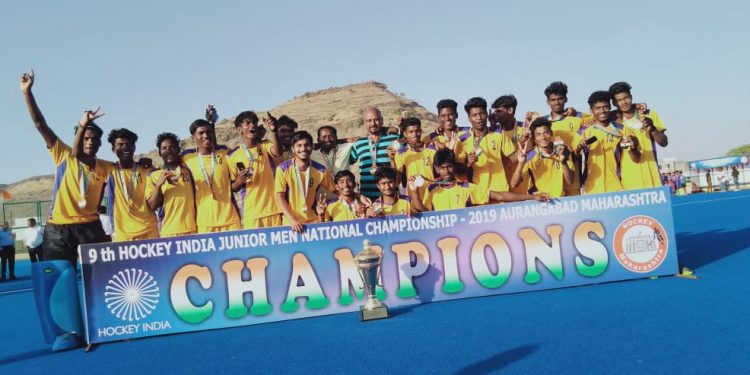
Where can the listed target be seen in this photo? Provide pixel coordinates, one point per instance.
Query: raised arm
(27, 80)
(272, 124)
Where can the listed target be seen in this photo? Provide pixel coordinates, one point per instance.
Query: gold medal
(82, 203)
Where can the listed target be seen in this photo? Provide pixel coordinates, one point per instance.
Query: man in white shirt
(33, 240)
(332, 153)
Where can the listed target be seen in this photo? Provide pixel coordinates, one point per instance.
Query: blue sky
(153, 66)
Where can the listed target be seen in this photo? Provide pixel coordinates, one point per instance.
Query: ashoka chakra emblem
(131, 294)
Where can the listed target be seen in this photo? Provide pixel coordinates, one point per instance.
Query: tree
(741, 150)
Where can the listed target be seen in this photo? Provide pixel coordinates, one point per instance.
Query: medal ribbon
(615, 133)
(331, 161)
(476, 141)
(249, 154)
(204, 173)
(373, 152)
(83, 182)
(127, 191)
(303, 187)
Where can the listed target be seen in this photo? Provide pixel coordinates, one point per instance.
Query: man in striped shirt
(373, 147)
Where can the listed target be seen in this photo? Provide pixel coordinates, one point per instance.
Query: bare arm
(156, 200)
(507, 196)
(271, 123)
(287, 211)
(413, 191)
(27, 81)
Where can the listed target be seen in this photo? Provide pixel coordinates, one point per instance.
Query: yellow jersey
(488, 171)
(177, 213)
(338, 210)
(126, 198)
(291, 181)
(214, 201)
(602, 172)
(441, 197)
(567, 128)
(417, 163)
(643, 174)
(545, 172)
(71, 178)
(257, 196)
(402, 206)
(454, 144)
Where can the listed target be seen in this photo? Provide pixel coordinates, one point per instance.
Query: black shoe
(13, 277)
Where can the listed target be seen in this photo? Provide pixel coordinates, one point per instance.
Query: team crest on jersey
(640, 244)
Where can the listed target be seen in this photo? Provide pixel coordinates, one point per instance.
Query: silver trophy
(368, 263)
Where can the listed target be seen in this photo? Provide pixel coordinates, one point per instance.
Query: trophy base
(373, 314)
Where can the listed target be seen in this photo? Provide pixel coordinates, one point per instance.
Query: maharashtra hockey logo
(640, 244)
(131, 294)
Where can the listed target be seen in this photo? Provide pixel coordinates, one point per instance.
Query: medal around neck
(419, 181)
(368, 263)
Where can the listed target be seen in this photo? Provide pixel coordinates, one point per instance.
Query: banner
(218, 280)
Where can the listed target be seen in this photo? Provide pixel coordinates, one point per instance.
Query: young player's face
(373, 121)
(91, 142)
(285, 134)
(387, 187)
(31, 223)
(124, 149)
(346, 186)
(543, 136)
(447, 118)
(204, 137)
(478, 117)
(302, 149)
(169, 151)
(446, 171)
(600, 110)
(557, 102)
(413, 134)
(623, 101)
(327, 139)
(250, 131)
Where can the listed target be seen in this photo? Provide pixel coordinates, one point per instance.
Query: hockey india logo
(640, 244)
(131, 294)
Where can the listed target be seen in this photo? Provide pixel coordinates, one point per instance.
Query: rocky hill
(341, 107)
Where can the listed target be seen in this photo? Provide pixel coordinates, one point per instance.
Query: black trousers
(35, 254)
(61, 240)
(8, 257)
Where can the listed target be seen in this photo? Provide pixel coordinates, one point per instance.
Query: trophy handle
(380, 269)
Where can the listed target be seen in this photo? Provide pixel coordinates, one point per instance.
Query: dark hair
(385, 172)
(475, 102)
(164, 136)
(300, 135)
(506, 101)
(341, 174)
(556, 87)
(447, 103)
(121, 133)
(444, 156)
(246, 115)
(199, 124)
(287, 121)
(538, 123)
(411, 121)
(91, 126)
(31, 219)
(619, 87)
(328, 127)
(599, 96)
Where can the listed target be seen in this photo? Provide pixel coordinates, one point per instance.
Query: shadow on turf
(24, 356)
(498, 361)
(699, 249)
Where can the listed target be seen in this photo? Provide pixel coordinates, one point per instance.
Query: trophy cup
(368, 263)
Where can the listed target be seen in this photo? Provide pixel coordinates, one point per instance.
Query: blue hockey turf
(664, 325)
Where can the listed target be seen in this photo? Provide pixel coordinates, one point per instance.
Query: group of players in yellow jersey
(281, 177)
